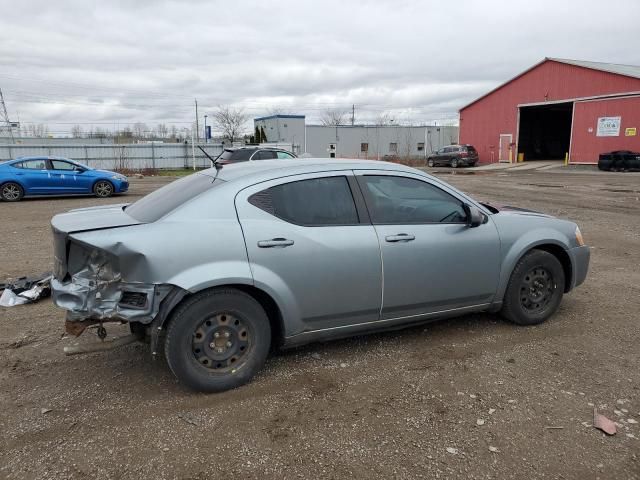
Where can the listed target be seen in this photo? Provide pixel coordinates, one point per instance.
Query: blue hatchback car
(31, 176)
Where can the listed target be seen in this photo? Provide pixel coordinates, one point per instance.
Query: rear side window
(315, 202)
(166, 199)
(264, 155)
(236, 155)
(32, 164)
(285, 155)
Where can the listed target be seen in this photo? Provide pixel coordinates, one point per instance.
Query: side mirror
(474, 216)
(78, 170)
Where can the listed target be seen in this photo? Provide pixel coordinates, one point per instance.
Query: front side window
(284, 155)
(403, 200)
(61, 165)
(39, 164)
(314, 202)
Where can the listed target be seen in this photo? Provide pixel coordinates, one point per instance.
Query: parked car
(454, 156)
(243, 154)
(619, 160)
(233, 260)
(32, 176)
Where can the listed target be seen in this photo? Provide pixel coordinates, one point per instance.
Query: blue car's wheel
(11, 192)
(103, 189)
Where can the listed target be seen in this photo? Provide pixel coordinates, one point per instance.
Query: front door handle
(275, 242)
(401, 237)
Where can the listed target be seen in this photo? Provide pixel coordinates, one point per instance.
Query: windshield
(163, 201)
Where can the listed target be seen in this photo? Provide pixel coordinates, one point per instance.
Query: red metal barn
(555, 108)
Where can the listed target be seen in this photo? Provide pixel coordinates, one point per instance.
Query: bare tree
(332, 117)
(173, 132)
(140, 130)
(162, 130)
(383, 119)
(231, 121)
(76, 131)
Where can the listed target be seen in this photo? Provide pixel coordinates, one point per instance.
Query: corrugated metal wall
(482, 122)
(112, 157)
(586, 146)
(376, 141)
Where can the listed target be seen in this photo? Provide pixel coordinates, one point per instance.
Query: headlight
(579, 239)
(119, 177)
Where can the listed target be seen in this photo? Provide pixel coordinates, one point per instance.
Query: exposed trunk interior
(545, 131)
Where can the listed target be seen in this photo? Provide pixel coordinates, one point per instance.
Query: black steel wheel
(535, 289)
(11, 192)
(103, 189)
(454, 163)
(217, 340)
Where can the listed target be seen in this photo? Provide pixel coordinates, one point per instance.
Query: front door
(432, 261)
(306, 241)
(70, 178)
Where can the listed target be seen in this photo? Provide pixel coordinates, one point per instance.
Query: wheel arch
(266, 301)
(13, 180)
(102, 179)
(563, 257)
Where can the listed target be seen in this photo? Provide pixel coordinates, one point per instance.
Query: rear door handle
(401, 237)
(275, 242)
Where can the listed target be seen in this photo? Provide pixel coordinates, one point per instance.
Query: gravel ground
(466, 398)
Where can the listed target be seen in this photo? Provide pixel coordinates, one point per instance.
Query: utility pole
(353, 114)
(197, 124)
(5, 118)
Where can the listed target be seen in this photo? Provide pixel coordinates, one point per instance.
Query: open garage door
(545, 131)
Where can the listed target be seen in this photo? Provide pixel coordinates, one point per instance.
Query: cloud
(78, 61)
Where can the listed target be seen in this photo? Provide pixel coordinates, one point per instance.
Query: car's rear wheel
(454, 163)
(103, 189)
(535, 289)
(430, 163)
(217, 340)
(11, 192)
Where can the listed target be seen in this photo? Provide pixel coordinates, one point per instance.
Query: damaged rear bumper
(106, 301)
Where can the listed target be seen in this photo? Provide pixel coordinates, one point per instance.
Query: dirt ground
(426, 402)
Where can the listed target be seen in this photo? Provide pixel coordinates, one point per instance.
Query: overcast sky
(110, 63)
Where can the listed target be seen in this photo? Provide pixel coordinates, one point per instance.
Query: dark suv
(454, 156)
(243, 154)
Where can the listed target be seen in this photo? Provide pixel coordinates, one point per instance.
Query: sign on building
(608, 127)
(630, 132)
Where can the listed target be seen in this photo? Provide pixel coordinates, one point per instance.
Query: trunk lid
(82, 220)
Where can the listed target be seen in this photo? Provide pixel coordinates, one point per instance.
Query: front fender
(514, 251)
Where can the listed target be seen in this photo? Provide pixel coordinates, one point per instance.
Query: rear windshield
(163, 201)
(236, 155)
(470, 148)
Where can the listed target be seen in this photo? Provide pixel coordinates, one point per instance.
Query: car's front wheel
(11, 192)
(103, 189)
(535, 289)
(217, 340)
(454, 163)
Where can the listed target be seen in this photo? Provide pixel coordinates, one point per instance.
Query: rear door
(307, 241)
(432, 261)
(35, 177)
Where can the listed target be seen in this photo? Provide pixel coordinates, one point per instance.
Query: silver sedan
(224, 264)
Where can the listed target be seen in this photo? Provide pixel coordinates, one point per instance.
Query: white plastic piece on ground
(10, 299)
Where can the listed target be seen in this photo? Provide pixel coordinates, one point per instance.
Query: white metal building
(356, 141)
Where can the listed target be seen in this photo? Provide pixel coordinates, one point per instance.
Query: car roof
(41, 157)
(270, 169)
(233, 149)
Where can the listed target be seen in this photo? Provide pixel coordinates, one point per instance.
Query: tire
(217, 340)
(11, 192)
(535, 289)
(430, 163)
(454, 163)
(103, 189)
